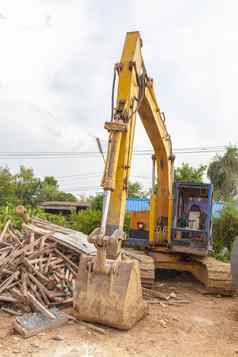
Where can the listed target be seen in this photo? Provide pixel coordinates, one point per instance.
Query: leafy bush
(225, 230)
(223, 174)
(127, 223)
(58, 219)
(9, 212)
(188, 173)
(96, 202)
(85, 221)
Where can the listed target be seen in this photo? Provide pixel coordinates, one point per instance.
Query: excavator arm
(136, 94)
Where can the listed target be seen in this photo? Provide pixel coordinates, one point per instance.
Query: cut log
(39, 307)
(88, 325)
(4, 231)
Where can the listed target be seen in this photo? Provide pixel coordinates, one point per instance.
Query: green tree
(86, 220)
(49, 191)
(51, 181)
(135, 190)
(188, 173)
(27, 187)
(64, 196)
(223, 173)
(96, 202)
(24, 188)
(7, 187)
(225, 228)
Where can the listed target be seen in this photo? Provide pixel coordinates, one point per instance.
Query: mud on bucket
(113, 299)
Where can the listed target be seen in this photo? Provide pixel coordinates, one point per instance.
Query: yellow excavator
(108, 289)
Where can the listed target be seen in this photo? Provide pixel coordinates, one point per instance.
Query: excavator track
(146, 263)
(212, 273)
(216, 277)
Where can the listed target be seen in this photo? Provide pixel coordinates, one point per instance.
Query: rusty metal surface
(110, 299)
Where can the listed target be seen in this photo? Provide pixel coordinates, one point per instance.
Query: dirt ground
(204, 326)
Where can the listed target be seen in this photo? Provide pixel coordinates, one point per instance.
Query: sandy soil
(206, 326)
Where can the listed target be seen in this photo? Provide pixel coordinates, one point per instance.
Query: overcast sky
(56, 69)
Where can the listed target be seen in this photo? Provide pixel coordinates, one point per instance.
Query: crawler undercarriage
(214, 274)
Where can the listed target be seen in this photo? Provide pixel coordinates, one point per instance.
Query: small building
(63, 207)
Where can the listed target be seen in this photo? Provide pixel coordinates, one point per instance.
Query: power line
(89, 189)
(79, 175)
(79, 178)
(88, 154)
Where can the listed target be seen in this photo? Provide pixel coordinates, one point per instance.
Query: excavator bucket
(113, 299)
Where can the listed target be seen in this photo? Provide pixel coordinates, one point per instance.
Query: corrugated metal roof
(137, 204)
(63, 205)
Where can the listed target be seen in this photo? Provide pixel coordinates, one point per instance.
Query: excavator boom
(136, 94)
(108, 290)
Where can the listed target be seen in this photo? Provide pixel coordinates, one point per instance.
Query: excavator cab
(192, 211)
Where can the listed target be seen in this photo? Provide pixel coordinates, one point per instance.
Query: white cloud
(56, 69)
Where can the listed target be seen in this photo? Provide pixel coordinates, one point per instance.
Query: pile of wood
(79, 243)
(38, 265)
